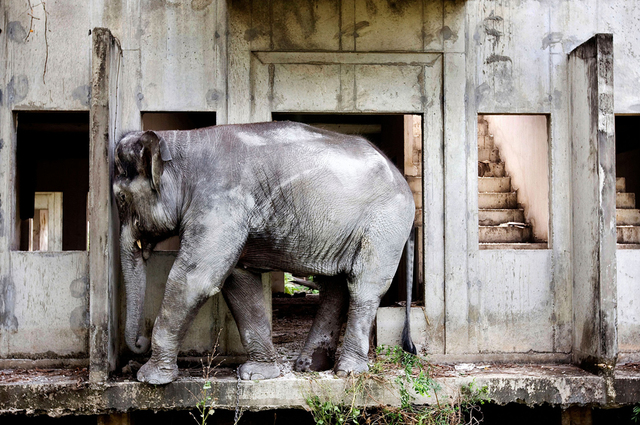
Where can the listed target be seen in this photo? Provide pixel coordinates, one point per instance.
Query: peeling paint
(16, 32)
(139, 99)
(79, 321)
(79, 287)
(200, 4)
(551, 39)
(1, 216)
(250, 34)
(482, 90)
(447, 34)
(82, 94)
(8, 320)
(17, 89)
(212, 97)
(497, 58)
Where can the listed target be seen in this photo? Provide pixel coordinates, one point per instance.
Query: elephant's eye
(122, 197)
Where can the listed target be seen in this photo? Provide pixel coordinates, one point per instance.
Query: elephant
(251, 198)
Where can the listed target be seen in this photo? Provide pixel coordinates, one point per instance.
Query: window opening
(400, 138)
(159, 121)
(53, 180)
(627, 180)
(513, 181)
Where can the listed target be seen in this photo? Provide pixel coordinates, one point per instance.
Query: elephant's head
(140, 159)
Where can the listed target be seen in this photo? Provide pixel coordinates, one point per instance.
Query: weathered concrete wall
(523, 141)
(446, 60)
(48, 295)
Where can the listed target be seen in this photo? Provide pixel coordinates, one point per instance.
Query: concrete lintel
(533, 385)
(352, 58)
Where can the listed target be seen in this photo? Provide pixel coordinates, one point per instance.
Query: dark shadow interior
(628, 151)
(387, 132)
(177, 120)
(53, 156)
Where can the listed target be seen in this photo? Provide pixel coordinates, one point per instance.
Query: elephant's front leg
(181, 303)
(196, 275)
(243, 293)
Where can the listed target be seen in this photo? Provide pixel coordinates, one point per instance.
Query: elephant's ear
(155, 149)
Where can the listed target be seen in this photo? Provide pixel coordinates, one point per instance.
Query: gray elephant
(250, 198)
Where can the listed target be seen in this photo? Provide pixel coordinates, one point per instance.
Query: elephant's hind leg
(243, 294)
(320, 349)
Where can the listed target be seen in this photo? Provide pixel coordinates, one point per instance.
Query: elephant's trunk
(135, 278)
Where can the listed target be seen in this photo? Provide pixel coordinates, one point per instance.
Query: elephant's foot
(321, 359)
(155, 374)
(346, 366)
(257, 371)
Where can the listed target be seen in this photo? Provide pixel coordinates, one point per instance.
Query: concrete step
(495, 217)
(492, 200)
(621, 184)
(503, 234)
(490, 169)
(494, 184)
(625, 200)
(485, 142)
(628, 234)
(627, 217)
(491, 155)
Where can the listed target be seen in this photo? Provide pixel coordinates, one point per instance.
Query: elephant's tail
(407, 343)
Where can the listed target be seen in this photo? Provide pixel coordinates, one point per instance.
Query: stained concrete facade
(244, 60)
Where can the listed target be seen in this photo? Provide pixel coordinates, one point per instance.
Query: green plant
(415, 377)
(291, 288)
(205, 400)
(635, 416)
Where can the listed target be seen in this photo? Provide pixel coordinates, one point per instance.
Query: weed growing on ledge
(415, 378)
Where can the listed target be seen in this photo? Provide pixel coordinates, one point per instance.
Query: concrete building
(531, 259)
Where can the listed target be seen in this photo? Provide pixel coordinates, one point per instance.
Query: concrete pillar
(576, 415)
(103, 264)
(594, 204)
(277, 281)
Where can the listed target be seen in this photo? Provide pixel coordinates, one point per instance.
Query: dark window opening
(627, 180)
(400, 138)
(177, 120)
(160, 121)
(53, 180)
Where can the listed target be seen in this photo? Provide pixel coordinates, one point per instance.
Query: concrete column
(103, 264)
(594, 204)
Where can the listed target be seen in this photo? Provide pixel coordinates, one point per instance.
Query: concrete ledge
(65, 394)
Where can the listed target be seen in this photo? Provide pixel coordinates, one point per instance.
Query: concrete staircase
(499, 218)
(627, 216)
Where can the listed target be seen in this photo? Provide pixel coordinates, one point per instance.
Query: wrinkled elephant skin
(246, 199)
